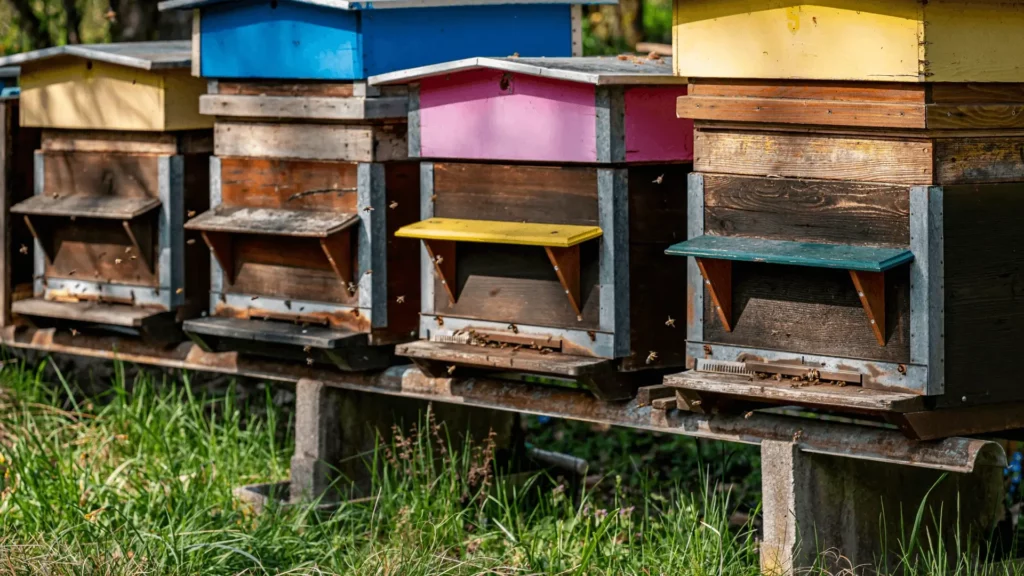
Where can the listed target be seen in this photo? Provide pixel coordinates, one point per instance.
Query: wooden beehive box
(17, 146)
(123, 157)
(340, 40)
(549, 189)
(860, 234)
(863, 40)
(309, 181)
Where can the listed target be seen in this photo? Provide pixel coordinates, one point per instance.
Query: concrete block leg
(336, 431)
(859, 511)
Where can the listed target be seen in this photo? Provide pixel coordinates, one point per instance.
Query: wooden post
(7, 121)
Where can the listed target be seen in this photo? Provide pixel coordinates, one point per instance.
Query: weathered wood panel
(536, 194)
(289, 184)
(657, 203)
(807, 210)
(979, 160)
(864, 92)
(188, 142)
(285, 88)
(857, 158)
(100, 174)
(814, 311)
(286, 267)
(97, 251)
(402, 185)
(984, 296)
(355, 143)
(517, 284)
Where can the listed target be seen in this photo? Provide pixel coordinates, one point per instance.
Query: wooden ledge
(703, 387)
(867, 266)
(561, 242)
(499, 232)
(272, 221)
(91, 312)
(274, 332)
(80, 206)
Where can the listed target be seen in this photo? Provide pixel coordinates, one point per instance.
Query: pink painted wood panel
(495, 115)
(653, 132)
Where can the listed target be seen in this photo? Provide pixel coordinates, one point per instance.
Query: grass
(138, 479)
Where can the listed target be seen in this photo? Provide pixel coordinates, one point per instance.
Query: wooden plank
(8, 121)
(841, 256)
(196, 66)
(522, 360)
(785, 392)
(105, 207)
(286, 88)
(289, 184)
(500, 232)
(273, 222)
(338, 250)
(100, 174)
(96, 250)
(275, 332)
(304, 107)
(810, 311)
(442, 255)
(537, 194)
(355, 143)
(718, 282)
(779, 154)
(109, 141)
(979, 160)
(566, 262)
(290, 268)
(855, 213)
(793, 111)
(865, 92)
(91, 312)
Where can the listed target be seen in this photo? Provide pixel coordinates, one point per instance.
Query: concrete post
(859, 511)
(336, 431)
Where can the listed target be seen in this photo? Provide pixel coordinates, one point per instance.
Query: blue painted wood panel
(396, 39)
(842, 256)
(288, 40)
(256, 40)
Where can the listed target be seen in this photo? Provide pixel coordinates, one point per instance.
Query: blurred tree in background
(32, 24)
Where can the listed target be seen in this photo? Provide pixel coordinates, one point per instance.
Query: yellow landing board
(862, 40)
(497, 232)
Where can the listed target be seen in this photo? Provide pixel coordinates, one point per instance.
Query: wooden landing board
(106, 207)
(91, 312)
(273, 222)
(304, 108)
(275, 332)
(839, 256)
(510, 359)
(784, 392)
(496, 232)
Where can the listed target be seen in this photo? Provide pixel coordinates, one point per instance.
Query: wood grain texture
(865, 92)
(813, 311)
(99, 174)
(289, 184)
(802, 210)
(168, 143)
(979, 160)
(96, 251)
(984, 296)
(794, 111)
(355, 143)
(285, 267)
(535, 194)
(286, 88)
(779, 154)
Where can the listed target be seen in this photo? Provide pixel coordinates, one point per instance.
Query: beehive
(852, 249)
(544, 210)
(123, 157)
(341, 40)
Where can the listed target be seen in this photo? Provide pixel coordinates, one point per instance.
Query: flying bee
(659, 179)
(393, 205)
(671, 322)
(23, 249)
(451, 369)
(400, 299)
(652, 356)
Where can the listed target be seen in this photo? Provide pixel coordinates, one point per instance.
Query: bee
(351, 288)
(368, 272)
(368, 209)
(797, 435)
(393, 205)
(23, 249)
(433, 197)
(440, 321)
(191, 213)
(514, 55)
(255, 297)
(117, 260)
(74, 332)
(400, 300)
(659, 179)
(56, 195)
(179, 291)
(309, 361)
(134, 257)
(671, 322)
(513, 328)
(306, 349)
(438, 259)
(748, 415)
(451, 369)
(127, 249)
(623, 57)
(190, 241)
(72, 273)
(652, 356)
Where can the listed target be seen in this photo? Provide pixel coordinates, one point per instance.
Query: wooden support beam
(140, 233)
(871, 291)
(567, 266)
(338, 249)
(718, 278)
(442, 254)
(223, 250)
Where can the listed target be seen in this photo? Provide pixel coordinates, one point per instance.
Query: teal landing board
(840, 256)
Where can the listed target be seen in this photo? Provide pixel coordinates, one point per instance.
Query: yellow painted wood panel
(496, 232)
(75, 93)
(866, 40)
